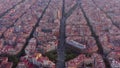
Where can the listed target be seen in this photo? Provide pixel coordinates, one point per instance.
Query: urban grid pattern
(59, 33)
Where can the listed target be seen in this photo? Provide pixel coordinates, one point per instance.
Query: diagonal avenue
(62, 36)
